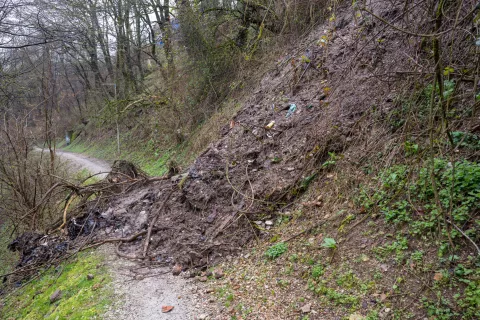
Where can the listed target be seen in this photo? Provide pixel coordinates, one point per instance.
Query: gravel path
(142, 299)
(78, 162)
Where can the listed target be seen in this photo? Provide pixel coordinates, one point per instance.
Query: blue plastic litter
(291, 110)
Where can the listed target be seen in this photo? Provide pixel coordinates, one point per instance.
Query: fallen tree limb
(65, 212)
(110, 240)
(152, 223)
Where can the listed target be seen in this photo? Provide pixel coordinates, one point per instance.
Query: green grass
(82, 175)
(81, 298)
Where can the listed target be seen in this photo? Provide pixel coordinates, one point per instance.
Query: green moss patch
(81, 298)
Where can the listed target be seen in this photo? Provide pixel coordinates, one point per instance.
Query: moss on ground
(81, 298)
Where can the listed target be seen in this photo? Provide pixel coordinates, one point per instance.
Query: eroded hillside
(347, 186)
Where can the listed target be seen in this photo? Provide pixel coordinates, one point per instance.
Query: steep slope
(347, 123)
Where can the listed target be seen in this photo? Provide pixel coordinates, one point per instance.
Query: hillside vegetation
(324, 155)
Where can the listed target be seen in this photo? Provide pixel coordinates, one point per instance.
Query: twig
(142, 277)
(306, 230)
(152, 223)
(465, 235)
(129, 239)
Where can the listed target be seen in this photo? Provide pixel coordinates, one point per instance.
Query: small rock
(210, 290)
(269, 223)
(203, 279)
(384, 313)
(203, 317)
(258, 223)
(90, 276)
(290, 169)
(356, 316)
(177, 269)
(57, 295)
(179, 177)
(121, 212)
(218, 274)
(384, 267)
(211, 217)
(306, 308)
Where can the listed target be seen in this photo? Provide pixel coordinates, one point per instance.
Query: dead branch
(465, 235)
(152, 224)
(65, 212)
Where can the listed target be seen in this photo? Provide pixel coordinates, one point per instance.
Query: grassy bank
(81, 297)
(7, 258)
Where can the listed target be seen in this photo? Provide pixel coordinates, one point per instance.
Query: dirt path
(142, 299)
(78, 162)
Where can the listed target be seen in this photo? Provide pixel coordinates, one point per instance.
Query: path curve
(78, 162)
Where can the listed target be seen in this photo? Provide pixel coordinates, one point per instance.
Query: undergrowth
(407, 196)
(8, 259)
(431, 203)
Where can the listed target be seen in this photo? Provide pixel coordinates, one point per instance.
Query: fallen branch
(65, 212)
(465, 235)
(306, 230)
(110, 240)
(152, 223)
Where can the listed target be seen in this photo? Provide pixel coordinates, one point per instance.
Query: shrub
(276, 250)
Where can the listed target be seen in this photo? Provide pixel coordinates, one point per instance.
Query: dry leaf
(166, 309)
(438, 276)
